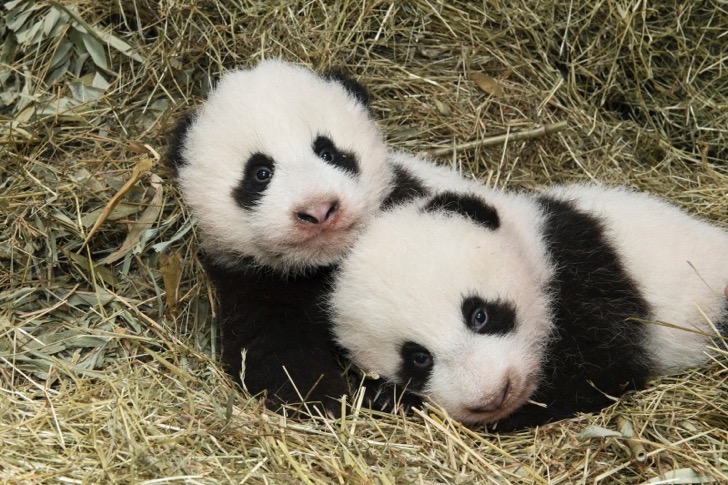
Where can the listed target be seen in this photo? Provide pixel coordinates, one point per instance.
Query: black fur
(281, 322)
(501, 316)
(385, 396)
(325, 149)
(406, 187)
(598, 344)
(414, 374)
(465, 205)
(249, 190)
(351, 85)
(178, 136)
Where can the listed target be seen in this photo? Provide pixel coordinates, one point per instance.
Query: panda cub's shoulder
(416, 177)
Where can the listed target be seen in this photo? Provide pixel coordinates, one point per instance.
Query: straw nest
(107, 369)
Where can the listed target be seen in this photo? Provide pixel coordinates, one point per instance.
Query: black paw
(384, 396)
(322, 398)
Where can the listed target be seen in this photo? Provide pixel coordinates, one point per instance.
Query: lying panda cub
(282, 168)
(487, 303)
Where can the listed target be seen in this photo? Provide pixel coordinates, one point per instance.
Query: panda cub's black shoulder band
(406, 187)
(465, 205)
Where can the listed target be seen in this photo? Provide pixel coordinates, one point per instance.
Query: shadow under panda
(282, 168)
(524, 309)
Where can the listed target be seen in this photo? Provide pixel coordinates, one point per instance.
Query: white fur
(278, 109)
(405, 278)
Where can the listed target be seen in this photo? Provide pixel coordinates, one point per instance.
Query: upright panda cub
(282, 168)
(281, 165)
(487, 303)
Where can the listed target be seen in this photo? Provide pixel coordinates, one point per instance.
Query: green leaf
(17, 15)
(121, 211)
(83, 92)
(96, 50)
(77, 64)
(99, 82)
(14, 3)
(50, 20)
(120, 45)
(61, 54)
(29, 35)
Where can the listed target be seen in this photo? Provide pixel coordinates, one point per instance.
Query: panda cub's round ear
(354, 87)
(174, 158)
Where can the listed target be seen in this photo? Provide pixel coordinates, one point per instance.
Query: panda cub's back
(679, 263)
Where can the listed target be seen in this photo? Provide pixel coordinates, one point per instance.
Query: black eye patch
(257, 174)
(488, 318)
(325, 149)
(464, 205)
(416, 367)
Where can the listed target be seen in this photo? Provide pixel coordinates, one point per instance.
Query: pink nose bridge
(317, 212)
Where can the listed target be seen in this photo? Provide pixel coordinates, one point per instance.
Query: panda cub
(280, 165)
(529, 308)
(282, 168)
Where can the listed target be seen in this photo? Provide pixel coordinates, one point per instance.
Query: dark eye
(478, 319)
(326, 155)
(263, 174)
(423, 360)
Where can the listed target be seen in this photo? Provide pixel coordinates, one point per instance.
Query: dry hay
(105, 367)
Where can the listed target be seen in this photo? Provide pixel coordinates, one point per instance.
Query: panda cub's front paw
(299, 382)
(382, 395)
(323, 399)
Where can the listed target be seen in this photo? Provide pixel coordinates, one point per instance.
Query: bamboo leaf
(119, 45)
(96, 50)
(596, 432)
(50, 20)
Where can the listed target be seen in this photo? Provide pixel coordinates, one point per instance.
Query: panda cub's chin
(308, 250)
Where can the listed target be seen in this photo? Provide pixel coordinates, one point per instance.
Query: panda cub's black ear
(177, 138)
(465, 205)
(355, 88)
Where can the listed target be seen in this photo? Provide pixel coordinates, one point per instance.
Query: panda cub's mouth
(514, 396)
(311, 248)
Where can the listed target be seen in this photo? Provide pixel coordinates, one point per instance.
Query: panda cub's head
(282, 165)
(443, 296)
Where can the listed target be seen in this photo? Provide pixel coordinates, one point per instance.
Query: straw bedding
(107, 368)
